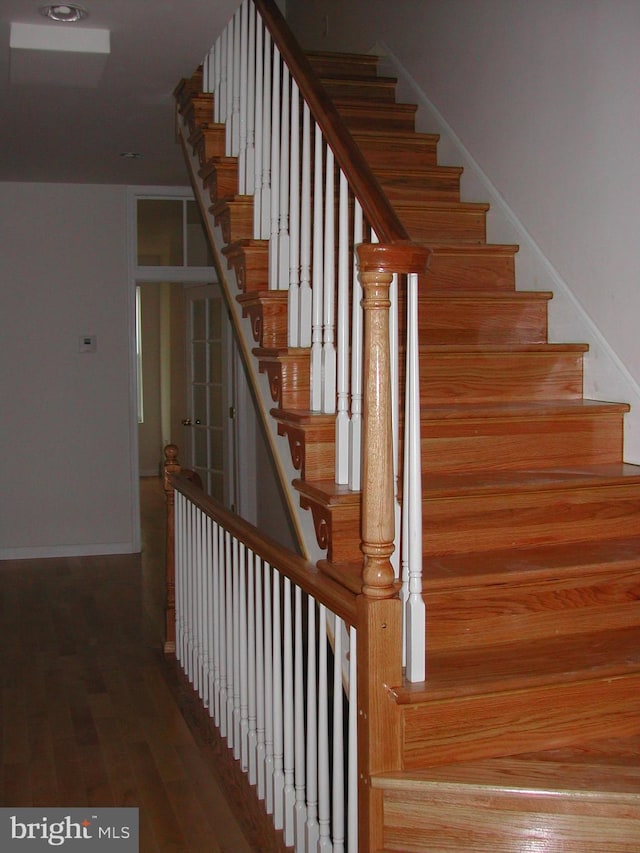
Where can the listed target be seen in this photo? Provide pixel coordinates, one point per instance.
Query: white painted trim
(136, 275)
(45, 552)
(606, 377)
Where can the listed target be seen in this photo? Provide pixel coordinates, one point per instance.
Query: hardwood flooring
(88, 715)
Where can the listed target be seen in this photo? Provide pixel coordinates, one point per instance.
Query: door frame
(138, 275)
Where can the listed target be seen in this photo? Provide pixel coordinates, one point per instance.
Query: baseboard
(606, 377)
(100, 550)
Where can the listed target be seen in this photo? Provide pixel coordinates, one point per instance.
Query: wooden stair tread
(451, 485)
(521, 565)
(612, 768)
(522, 665)
(533, 408)
(486, 295)
(571, 477)
(503, 348)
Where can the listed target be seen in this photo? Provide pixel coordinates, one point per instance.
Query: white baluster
(337, 770)
(278, 735)
(304, 323)
(188, 584)
(274, 264)
(208, 620)
(243, 62)
(198, 602)
(236, 648)
(259, 129)
(251, 103)
(355, 433)
(311, 826)
(294, 221)
(328, 320)
(217, 96)
(223, 633)
(300, 811)
(252, 737)
(265, 225)
(228, 557)
(283, 218)
(235, 116)
(215, 618)
(261, 786)
(268, 690)
(318, 279)
(324, 791)
(243, 734)
(394, 350)
(229, 91)
(342, 338)
(415, 609)
(178, 552)
(289, 794)
(352, 771)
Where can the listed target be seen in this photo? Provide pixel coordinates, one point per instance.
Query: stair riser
(486, 270)
(269, 321)
(387, 118)
(499, 377)
(222, 180)
(343, 64)
(199, 111)
(251, 264)
(449, 819)
(428, 188)
(403, 153)
(312, 450)
(567, 604)
(468, 321)
(378, 90)
(446, 226)
(288, 381)
(209, 142)
(517, 519)
(235, 218)
(510, 444)
(526, 720)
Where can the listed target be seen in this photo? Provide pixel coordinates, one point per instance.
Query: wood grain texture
(86, 713)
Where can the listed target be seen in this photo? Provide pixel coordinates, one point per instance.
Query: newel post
(171, 466)
(379, 612)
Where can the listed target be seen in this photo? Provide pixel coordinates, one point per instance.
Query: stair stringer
(604, 372)
(302, 521)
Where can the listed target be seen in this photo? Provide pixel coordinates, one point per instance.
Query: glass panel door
(206, 422)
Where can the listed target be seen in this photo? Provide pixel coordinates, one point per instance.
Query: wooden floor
(87, 712)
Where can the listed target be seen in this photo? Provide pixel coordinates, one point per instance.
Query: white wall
(65, 415)
(544, 95)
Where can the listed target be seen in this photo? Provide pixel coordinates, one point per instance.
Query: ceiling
(73, 130)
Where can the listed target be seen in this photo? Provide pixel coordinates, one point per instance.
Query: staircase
(526, 733)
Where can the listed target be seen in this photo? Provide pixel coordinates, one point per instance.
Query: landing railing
(315, 198)
(269, 645)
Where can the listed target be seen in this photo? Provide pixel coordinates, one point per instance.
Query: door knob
(186, 422)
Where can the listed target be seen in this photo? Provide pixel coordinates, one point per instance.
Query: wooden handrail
(375, 204)
(303, 573)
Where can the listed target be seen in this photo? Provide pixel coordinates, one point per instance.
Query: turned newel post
(377, 462)
(379, 616)
(171, 466)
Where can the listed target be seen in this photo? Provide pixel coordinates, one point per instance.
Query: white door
(206, 438)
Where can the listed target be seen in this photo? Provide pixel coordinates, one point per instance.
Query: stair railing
(262, 635)
(315, 198)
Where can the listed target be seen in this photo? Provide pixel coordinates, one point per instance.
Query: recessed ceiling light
(131, 155)
(67, 13)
